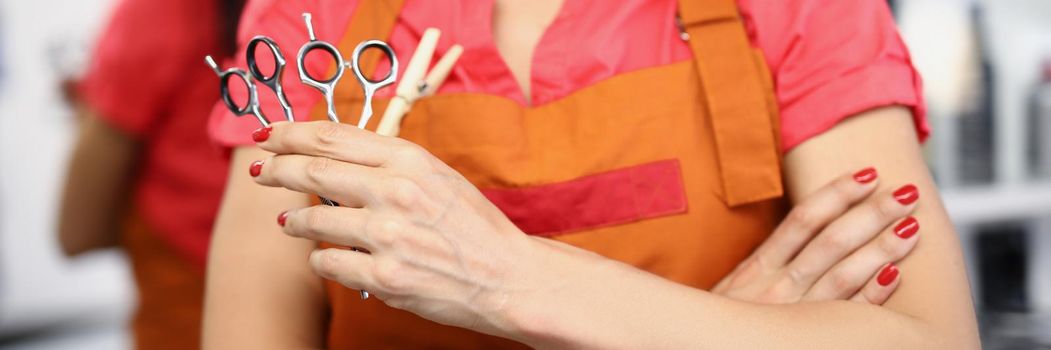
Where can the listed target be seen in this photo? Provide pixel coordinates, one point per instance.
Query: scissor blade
(366, 114)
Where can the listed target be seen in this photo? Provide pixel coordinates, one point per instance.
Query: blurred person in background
(144, 174)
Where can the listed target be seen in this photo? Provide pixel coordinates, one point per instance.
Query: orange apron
(170, 290)
(673, 169)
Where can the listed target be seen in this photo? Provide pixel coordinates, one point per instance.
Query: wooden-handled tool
(417, 82)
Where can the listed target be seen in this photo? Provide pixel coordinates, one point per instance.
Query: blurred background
(46, 300)
(987, 74)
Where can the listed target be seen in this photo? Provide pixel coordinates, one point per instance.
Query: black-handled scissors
(273, 81)
(254, 74)
(251, 106)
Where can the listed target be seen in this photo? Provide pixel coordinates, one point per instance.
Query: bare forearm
(620, 307)
(260, 293)
(97, 184)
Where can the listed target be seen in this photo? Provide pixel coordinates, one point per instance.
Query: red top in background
(148, 79)
(830, 59)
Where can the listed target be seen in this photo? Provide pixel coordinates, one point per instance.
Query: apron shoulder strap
(372, 19)
(736, 98)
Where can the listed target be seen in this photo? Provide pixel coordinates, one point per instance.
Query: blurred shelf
(976, 205)
(1014, 330)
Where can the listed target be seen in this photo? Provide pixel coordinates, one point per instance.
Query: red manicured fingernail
(255, 168)
(866, 175)
(261, 134)
(907, 194)
(888, 275)
(282, 218)
(907, 228)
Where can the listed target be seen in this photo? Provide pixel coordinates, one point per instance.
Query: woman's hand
(836, 244)
(437, 246)
(440, 249)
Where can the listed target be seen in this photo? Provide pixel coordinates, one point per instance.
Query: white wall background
(43, 41)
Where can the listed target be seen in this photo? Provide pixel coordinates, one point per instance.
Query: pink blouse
(830, 59)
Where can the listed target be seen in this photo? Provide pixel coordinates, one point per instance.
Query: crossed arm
(493, 284)
(930, 309)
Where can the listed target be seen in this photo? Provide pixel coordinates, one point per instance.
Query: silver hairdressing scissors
(249, 78)
(328, 86)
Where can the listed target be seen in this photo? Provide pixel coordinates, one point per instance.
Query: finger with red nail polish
(887, 275)
(866, 175)
(261, 134)
(256, 168)
(282, 218)
(907, 228)
(880, 287)
(907, 194)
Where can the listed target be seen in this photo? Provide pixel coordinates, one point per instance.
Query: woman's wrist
(514, 307)
(556, 294)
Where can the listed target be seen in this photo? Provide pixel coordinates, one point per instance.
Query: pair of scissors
(254, 74)
(327, 86)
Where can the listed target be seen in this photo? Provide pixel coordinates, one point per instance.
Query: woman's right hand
(839, 243)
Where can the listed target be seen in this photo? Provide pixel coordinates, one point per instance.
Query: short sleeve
(134, 72)
(283, 22)
(832, 59)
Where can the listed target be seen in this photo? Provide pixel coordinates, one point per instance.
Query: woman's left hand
(437, 247)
